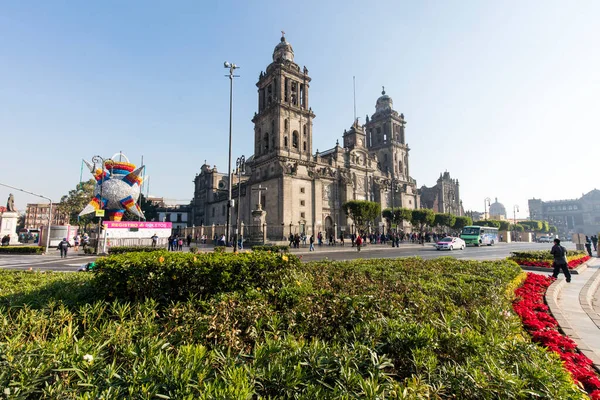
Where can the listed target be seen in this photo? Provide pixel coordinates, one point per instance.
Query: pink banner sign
(136, 224)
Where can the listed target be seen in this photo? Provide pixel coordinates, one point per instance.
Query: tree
(552, 229)
(492, 223)
(534, 226)
(149, 210)
(362, 212)
(504, 225)
(72, 203)
(518, 227)
(400, 214)
(422, 217)
(444, 220)
(545, 226)
(461, 222)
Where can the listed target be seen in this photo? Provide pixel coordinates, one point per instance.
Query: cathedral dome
(283, 51)
(497, 209)
(384, 103)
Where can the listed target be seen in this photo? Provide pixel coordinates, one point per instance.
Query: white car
(450, 243)
(545, 239)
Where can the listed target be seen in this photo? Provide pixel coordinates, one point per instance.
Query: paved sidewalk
(575, 316)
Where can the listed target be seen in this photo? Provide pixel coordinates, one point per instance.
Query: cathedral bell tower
(283, 123)
(385, 137)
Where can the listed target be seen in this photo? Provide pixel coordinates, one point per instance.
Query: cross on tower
(282, 33)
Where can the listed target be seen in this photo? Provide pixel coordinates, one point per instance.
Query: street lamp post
(232, 67)
(486, 204)
(515, 210)
(49, 211)
(240, 164)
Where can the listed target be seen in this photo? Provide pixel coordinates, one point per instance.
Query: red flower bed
(530, 306)
(548, 264)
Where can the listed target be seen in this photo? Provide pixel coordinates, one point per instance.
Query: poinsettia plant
(542, 327)
(545, 259)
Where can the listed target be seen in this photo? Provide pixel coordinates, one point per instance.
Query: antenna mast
(354, 90)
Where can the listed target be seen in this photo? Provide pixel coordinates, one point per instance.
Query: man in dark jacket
(63, 246)
(560, 260)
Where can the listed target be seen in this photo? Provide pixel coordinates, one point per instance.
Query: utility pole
(232, 67)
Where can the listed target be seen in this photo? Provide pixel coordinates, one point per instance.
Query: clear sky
(502, 94)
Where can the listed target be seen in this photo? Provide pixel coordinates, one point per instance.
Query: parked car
(450, 243)
(545, 239)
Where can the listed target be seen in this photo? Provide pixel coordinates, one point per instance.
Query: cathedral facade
(305, 190)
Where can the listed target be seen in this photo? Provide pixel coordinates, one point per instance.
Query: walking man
(312, 243)
(588, 245)
(595, 242)
(359, 241)
(154, 240)
(63, 246)
(560, 260)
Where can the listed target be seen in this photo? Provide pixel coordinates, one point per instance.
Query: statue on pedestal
(10, 203)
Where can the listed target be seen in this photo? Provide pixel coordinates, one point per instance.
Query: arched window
(304, 130)
(304, 146)
(285, 124)
(285, 142)
(295, 139)
(266, 141)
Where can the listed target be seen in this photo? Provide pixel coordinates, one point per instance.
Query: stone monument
(9, 220)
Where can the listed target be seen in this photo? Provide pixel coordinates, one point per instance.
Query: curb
(575, 271)
(564, 326)
(587, 294)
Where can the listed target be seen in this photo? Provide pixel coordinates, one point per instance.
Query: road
(53, 262)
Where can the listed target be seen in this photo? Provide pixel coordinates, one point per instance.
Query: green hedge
(21, 249)
(271, 247)
(543, 254)
(271, 328)
(133, 249)
(168, 276)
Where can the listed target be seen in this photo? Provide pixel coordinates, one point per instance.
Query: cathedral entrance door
(329, 227)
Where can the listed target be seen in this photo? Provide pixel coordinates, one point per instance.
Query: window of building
(285, 142)
(168, 217)
(304, 130)
(302, 215)
(295, 139)
(302, 190)
(178, 217)
(302, 203)
(410, 202)
(304, 146)
(223, 210)
(285, 124)
(266, 141)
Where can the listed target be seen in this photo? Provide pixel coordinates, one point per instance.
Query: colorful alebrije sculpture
(117, 189)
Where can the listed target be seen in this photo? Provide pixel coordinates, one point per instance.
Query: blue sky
(503, 95)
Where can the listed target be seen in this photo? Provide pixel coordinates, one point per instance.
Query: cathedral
(301, 190)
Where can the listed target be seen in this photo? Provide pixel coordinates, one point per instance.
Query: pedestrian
(170, 243)
(154, 240)
(359, 241)
(222, 241)
(312, 243)
(189, 239)
(76, 240)
(63, 246)
(560, 260)
(85, 240)
(595, 242)
(180, 244)
(588, 245)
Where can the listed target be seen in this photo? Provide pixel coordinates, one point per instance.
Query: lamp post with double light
(240, 164)
(232, 67)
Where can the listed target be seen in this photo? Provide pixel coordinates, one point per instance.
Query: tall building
(444, 197)
(305, 190)
(36, 215)
(580, 215)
